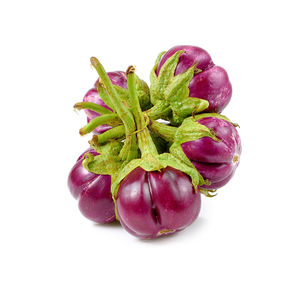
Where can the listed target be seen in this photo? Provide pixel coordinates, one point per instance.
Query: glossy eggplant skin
(151, 204)
(92, 191)
(211, 84)
(215, 160)
(118, 78)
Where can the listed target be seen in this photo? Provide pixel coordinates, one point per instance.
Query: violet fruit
(154, 194)
(185, 81)
(148, 174)
(151, 204)
(209, 142)
(93, 192)
(215, 160)
(210, 82)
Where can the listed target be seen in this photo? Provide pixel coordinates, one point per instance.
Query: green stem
(104, 96)
(130, 149)
(121, 109)
(146, 143)
(108, 119)
(133, 97)
(92, 106)
(165, 131)
(114, 133)
(160, 110)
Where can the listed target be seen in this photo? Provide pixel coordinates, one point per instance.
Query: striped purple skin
(215, 160)
(92, 191)
(118, 78)
(153, 204)
(211, 84)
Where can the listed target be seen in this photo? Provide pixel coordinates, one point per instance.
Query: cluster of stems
(130, 148)
(146, 144)
(128, 123)
(121, 129)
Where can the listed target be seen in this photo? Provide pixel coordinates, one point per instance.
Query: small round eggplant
(211, 83)
(215, 160)
(92, 191)
(152, 204)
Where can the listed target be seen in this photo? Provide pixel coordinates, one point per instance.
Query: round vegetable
(92, 191)
(152, 181)
(211, 82)
(215, 160)
(151, 204)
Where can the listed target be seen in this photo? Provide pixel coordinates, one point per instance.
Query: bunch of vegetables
(146, 173)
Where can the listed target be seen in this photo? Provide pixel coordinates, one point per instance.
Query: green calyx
(189, 131)
(156, 163)
(136, 139)
(108, 162)
(170, 93)
(112, 147)
(150, 159)
(130, 148)
(142, 90)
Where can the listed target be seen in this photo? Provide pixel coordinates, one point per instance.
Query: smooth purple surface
(217, 174)
(92, 191)
(212, 84)
(151, 204)
(191, 56)
(215, 160)
(118, 78)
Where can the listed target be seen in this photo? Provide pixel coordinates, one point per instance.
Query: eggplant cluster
(156, 149)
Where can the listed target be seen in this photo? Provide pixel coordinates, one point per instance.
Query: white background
(249, 231)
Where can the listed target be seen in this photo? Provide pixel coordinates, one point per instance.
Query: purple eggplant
(152, 204)
(92, 191)
(211, 83)
(215, 160)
